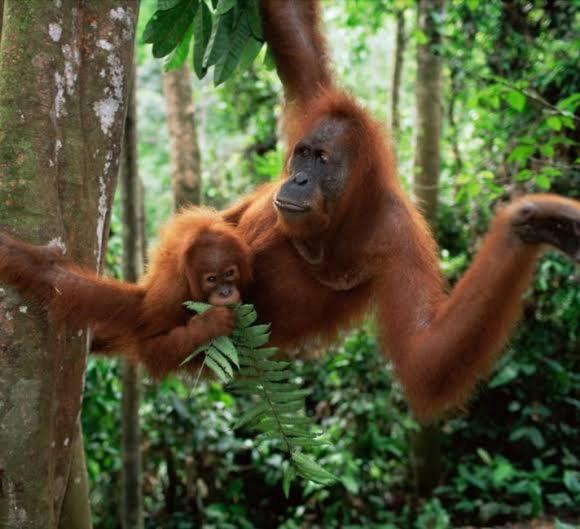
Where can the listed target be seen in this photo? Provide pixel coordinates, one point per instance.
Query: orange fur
(378, 251)
(146, 321)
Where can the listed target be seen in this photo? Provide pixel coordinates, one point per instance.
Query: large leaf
(254, 18)
(202, 29)
(181, 18)
(311, 470)
(220, 39)
(177, 57)
(228, 61)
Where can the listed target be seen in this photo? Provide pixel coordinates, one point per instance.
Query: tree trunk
(185, 155)
(132, 510)
(63, 79)
(425, 443)
(400, 43)
(427, 155)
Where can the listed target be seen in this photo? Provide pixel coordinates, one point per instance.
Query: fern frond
(277, 411)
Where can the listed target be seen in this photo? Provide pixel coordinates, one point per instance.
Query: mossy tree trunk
(425, 443)
(131, 198)
(185, 154)
(64, 68)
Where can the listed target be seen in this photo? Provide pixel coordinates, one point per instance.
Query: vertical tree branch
(427, 152)
(425, 443)
(132, 502)
(185, 155)
(400, 44)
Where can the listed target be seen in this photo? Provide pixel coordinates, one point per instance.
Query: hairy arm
(441, 345)
(164, 353)
(291, 29)
(70, 294)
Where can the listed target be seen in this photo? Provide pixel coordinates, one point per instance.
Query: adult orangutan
(336, 235)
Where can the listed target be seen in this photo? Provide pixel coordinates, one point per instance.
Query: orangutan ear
(191, 271)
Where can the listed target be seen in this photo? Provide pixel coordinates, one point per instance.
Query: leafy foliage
(226, 33)
(278, 407)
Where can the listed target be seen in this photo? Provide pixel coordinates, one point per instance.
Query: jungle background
(505, 89)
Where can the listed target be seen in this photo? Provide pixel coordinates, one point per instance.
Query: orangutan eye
(230, 273)
(303, 150)
(322, 157)
(211, 279)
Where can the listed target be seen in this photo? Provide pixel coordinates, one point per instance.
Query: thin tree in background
(425, 443)
(63, 91)
(131, 206)
(399, 56)
(185, 153)
(428, 96)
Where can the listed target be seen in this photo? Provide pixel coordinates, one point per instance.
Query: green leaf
(276, 376)
(262, 354)
(311, 470)
(547, 150)
(543, 181)
(245, 319)
(217, 370)
(287, 396)
(220, 39)
(200, 349)
(177, 57)
(254, 18)
(175, 23)
(516, 100)
(228, 61)
(225, 345)
(570, 103)
(224, 6)
(220, 359)
(251, 415)
(167, 4)
(554, 123)
(251, 51)
(420, 37)
(255, 341)
(197, 306)
(521, 153)
(572, 481)
(202, 29)
(289, 475)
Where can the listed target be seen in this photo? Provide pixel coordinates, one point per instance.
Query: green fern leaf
(217, 370)
(311, 470)
(225, 345)
(220, 359)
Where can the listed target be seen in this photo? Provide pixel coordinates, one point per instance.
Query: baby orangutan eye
(230, 273)
(211, 279)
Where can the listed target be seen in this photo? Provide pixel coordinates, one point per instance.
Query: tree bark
(63, 79)
(427, 155)
(185, 154)
(132, 502)
(425, 443)
(400, 44)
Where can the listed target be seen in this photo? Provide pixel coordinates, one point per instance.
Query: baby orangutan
(199, 257)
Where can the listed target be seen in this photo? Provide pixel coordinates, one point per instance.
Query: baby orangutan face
(221, 286)
(222, 266)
